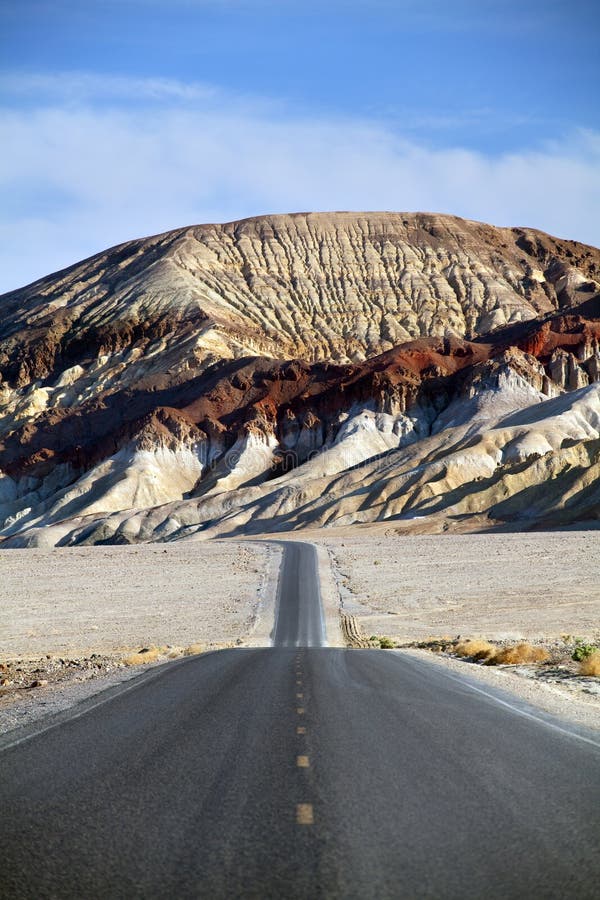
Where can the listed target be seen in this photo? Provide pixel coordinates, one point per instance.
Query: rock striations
(311, 369)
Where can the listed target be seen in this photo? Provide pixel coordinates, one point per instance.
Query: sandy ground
(102, 599)
(502, 586)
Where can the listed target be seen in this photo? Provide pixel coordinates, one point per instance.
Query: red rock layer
(263, 394)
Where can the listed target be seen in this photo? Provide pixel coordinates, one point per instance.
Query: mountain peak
(283, 327)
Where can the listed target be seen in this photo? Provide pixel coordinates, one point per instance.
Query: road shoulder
(579, 708)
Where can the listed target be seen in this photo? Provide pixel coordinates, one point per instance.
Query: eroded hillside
(305, 369)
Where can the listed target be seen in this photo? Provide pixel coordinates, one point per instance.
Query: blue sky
(120, 118)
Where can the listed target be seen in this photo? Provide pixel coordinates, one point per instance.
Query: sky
(124, 118)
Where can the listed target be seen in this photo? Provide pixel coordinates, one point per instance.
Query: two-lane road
(301, 772)
(299, 616)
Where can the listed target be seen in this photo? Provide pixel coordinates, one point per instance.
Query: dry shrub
(519, 654)
(590, 665)
(142, 657)
(193, 650)
(475, 649)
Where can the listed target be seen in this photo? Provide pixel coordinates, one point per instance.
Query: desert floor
(503, 586)
(104, 599)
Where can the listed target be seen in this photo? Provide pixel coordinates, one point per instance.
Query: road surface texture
(300, 773)
(299, 617)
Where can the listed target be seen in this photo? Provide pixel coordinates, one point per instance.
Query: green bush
(386, 643)
(583, 651)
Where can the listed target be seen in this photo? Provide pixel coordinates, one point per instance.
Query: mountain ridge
(135, 374)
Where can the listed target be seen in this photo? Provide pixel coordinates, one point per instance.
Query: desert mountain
(312, 369)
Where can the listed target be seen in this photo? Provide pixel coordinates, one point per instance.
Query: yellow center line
(300, 729)
(300, 710)
(299, 696)
(302, 762)
(304, 814)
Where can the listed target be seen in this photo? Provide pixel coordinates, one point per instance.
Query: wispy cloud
(92, 87)
(104, 172)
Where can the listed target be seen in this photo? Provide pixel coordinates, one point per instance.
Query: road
(299, 617)
(301, 773)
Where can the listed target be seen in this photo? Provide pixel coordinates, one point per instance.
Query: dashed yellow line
(304, 814)
(304, 811)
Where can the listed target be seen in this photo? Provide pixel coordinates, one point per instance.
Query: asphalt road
(301, 773)
(299, 617)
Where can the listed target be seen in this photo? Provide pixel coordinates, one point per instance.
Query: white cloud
(81, 86)
(84, 176)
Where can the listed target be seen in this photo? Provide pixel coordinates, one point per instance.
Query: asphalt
(299, 617)
(301, 773)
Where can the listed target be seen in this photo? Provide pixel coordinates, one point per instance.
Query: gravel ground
(71, 616)
(500, 586)
(26, 705)
(77, 601)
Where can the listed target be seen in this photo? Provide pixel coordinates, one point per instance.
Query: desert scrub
(482, 651)
(475, 649)
(583, 651)
(435, 645)
(520, 654)
(385, 643)
(590, 665)
(142, 657)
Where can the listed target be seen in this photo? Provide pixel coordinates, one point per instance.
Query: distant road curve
(300, 772)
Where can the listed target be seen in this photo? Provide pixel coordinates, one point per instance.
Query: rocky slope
(303, 369)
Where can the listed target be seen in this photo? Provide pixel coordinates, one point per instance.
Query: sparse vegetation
(479, 650)
(590, 665)
(583, 651)
(475, 649)
(520, 654)
(383, 642)
(193, 650)
(142, 657)
(386, 643)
